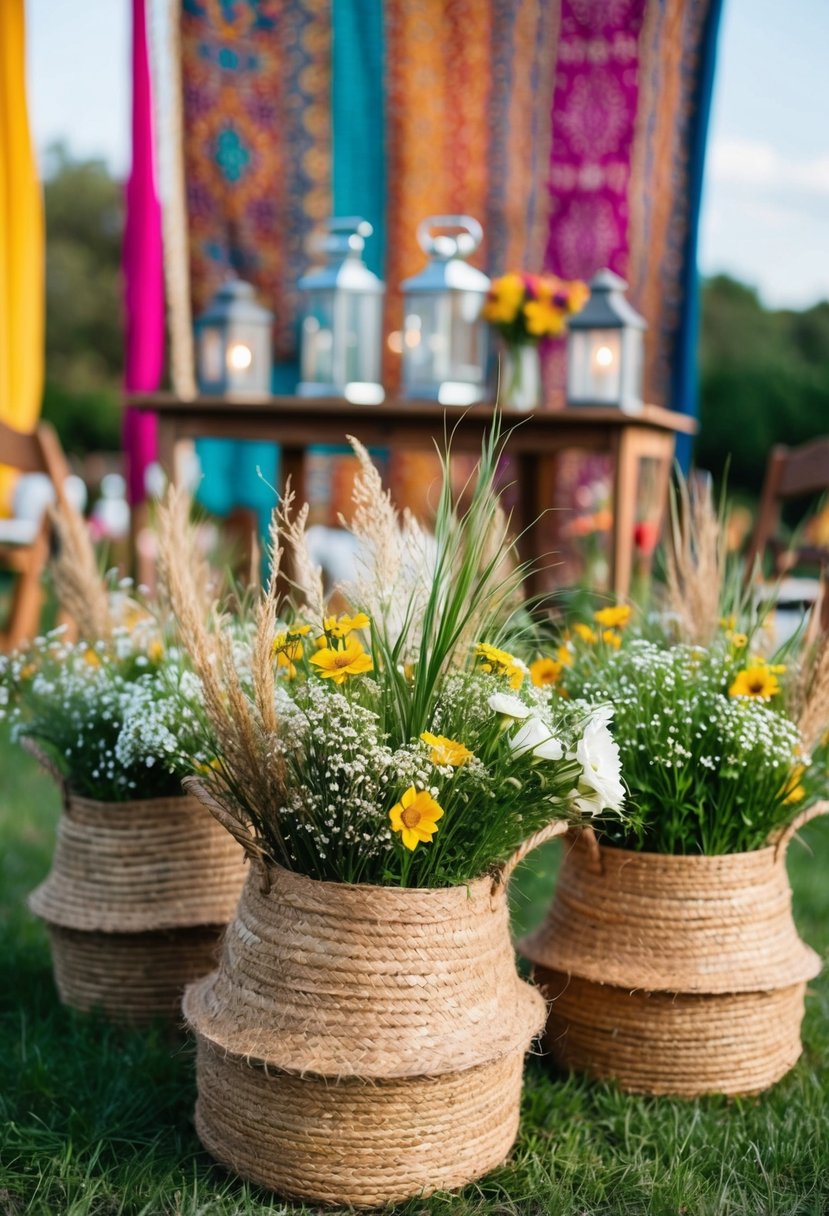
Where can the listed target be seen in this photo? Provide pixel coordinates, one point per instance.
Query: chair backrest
(790, 473)
(37, 451)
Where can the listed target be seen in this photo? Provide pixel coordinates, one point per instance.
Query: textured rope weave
(131, 977)
(366, 981)
(673, 924)
(125, 867)
(360, 1045)
(353, 1141)
(659, 1043)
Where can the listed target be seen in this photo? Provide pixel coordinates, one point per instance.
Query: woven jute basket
(674, 974)
(359, 1045)
(136, 900)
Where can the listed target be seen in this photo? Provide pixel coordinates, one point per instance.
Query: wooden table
(297, 424)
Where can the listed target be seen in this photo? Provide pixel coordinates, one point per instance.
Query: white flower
(600, 785)
(510, 707)
(536, 737)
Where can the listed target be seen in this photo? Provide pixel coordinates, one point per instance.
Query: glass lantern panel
(633, 351)
(317, 339)
(426, 336)
(467, 362)
(211, 371)
(595, 367)
(247, 360)
(357, 333)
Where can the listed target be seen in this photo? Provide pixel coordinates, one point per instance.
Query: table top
(327, 413)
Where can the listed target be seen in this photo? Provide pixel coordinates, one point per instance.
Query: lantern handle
(468, 236)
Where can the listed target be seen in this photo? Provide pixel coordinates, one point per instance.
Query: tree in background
(84, 322)
(764, 379)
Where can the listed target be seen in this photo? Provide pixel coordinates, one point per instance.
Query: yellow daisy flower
(585, 633)
(755, 681)
(342, 626)
(337, 665)
(612, 638)
(545, 671)
(91, 658)
(793, 790)
(615, 617)
(565, 655)
(543, 318)
(415, 817)
(446, 751)
(155, 651)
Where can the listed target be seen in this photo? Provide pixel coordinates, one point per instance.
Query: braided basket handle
(196, 787)
(783, 838)
(48, 765)
(559, 827)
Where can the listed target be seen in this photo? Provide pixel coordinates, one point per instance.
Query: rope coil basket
(674, 974)
(361, 1045)
(135, 902)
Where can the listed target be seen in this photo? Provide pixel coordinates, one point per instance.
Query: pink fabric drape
(143, 270)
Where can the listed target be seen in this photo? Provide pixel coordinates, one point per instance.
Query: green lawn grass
(96, 1120)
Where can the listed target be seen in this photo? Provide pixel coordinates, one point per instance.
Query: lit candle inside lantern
(604, 358)
(239, 357)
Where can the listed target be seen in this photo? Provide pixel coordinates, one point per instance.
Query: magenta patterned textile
(143, 269)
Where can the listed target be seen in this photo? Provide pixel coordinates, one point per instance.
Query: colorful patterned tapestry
(573, 129)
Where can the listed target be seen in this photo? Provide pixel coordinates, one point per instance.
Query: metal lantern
(444, 336)
(605, 348)
(233, 344)
(342, 321)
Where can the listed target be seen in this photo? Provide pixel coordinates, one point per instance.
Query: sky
(765, 214)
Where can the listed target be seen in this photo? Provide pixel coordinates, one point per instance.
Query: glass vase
(520, 384)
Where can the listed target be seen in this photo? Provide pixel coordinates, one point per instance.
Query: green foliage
(84, 323)
(97, 1120)
(764, 379)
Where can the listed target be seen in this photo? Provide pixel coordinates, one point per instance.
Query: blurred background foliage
(84, 321)
(764, 375)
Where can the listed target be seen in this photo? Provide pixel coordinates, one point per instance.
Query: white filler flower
(509, 707)
(600, 785)
(536, 737)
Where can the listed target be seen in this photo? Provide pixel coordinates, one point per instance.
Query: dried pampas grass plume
(244, 740)
(79, 585)
(695, 563)
(306, 575)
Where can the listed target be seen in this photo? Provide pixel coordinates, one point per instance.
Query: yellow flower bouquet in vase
(669, 952)
(384, 766)
(524, 309)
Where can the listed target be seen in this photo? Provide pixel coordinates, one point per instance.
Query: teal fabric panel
(358, 115)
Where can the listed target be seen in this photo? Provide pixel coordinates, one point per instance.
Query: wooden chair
(791, 473)
(24, 546)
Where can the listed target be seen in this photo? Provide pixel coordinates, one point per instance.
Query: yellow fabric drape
(21, 244)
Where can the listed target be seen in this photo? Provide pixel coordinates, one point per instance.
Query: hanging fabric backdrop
(21, 244)
(573, 129)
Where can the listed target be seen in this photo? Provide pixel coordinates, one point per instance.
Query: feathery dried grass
(79, 585)
(695, 563)
(813, 693)
(251, 777)
(306, 575)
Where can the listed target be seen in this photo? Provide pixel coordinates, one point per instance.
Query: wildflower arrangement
(399, 739)
(524, 307)
(721, 744)
(113, 710)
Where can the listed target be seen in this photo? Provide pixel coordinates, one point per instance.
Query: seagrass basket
(135, 902)
(674, 974)
(359, 1045)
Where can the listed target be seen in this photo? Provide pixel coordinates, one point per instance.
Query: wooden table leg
(625, 482)
(167, 447)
